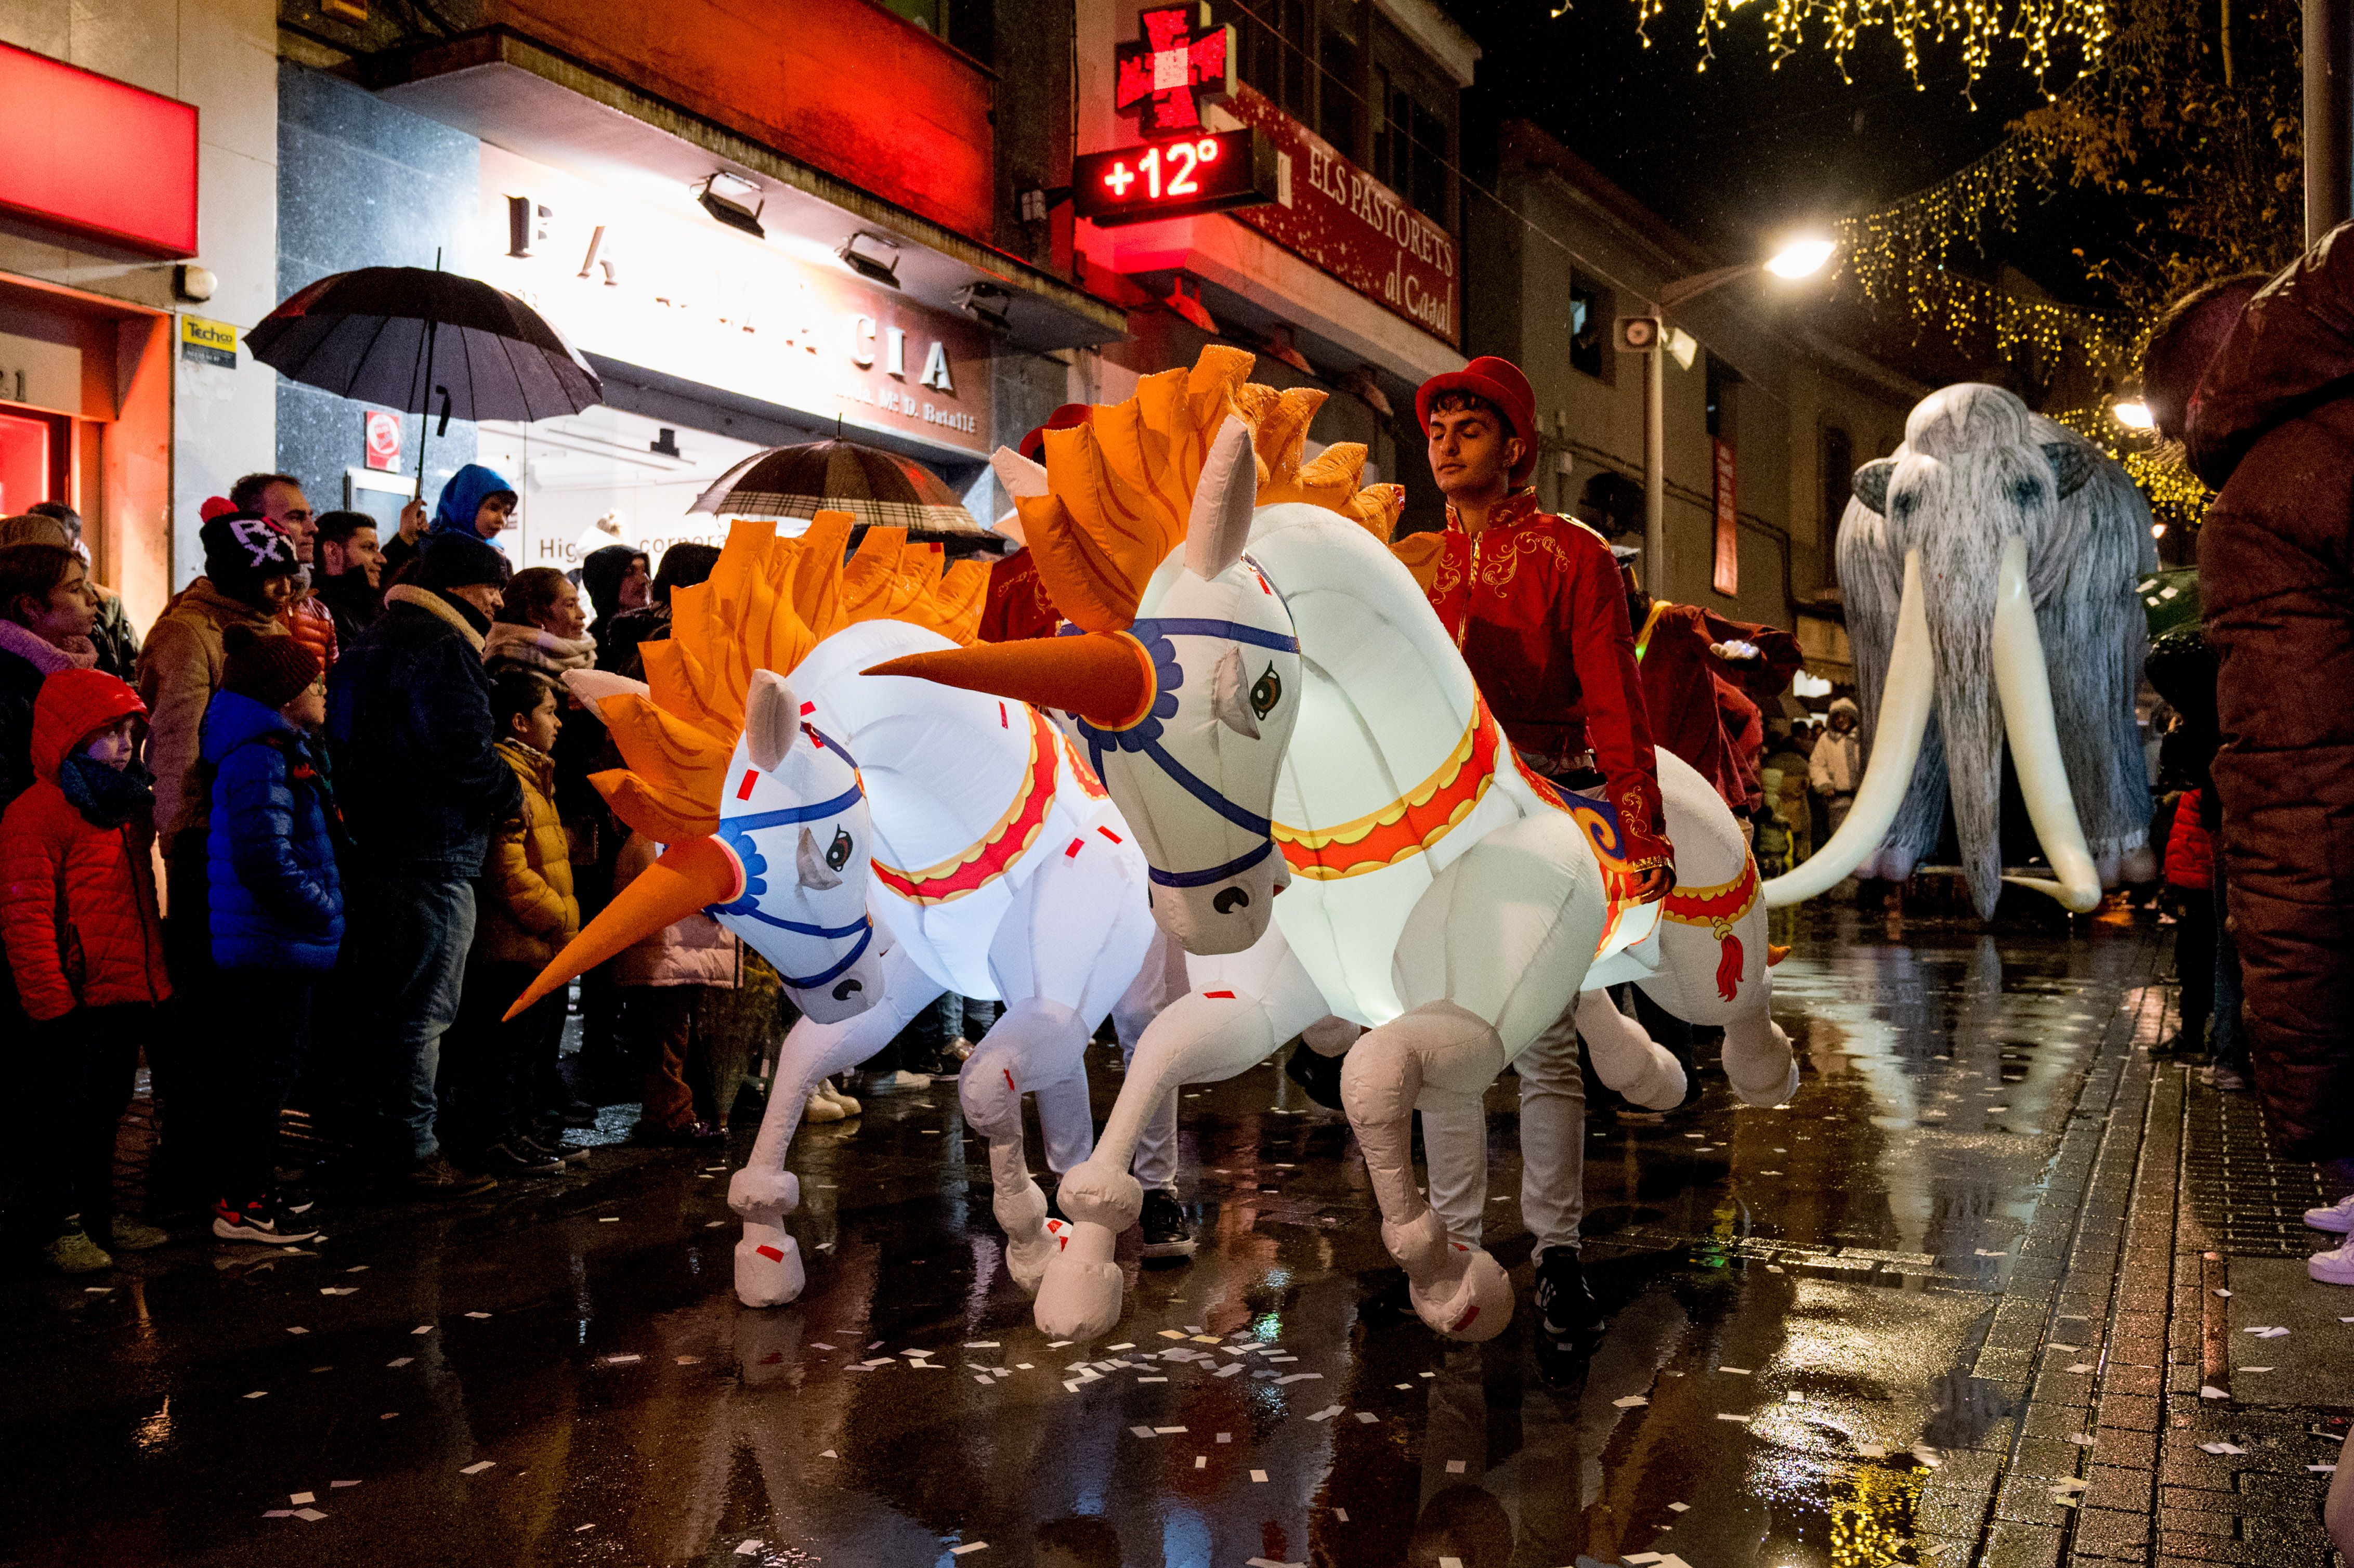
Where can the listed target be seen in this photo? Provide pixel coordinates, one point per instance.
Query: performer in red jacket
(1689, 657)
(1535, 603)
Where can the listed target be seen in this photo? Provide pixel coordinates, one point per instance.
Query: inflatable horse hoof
(1663, 1087)
(767, 1266)
(1762, 1075)
(752, 1193)
(1080, 1297)
(1031, 1239)
(1466, 1304)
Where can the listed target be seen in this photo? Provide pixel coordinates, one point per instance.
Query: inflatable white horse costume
(877, 842)
(1303, 697)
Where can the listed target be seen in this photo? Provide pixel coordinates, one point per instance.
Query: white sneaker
(2333, 1267)
(894, 1082)
(2338, 1219)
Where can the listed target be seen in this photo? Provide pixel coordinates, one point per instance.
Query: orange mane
(768, 601)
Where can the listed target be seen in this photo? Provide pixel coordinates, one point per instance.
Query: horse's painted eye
(1266, 692)
(837, 853)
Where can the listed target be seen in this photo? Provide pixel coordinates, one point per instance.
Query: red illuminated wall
(839, 84)
(95, 156)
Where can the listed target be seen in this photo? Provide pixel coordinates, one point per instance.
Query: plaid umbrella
(877, 488)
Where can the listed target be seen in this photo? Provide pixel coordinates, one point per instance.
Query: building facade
(759, 227)
(1764, 421)
(138, 235)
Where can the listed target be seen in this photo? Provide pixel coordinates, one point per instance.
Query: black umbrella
(406, 338)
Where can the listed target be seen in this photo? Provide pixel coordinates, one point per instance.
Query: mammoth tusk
(1904, 705)
(2025, 686)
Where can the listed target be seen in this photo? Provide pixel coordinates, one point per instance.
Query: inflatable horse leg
(1628, 1059)
(1249, 1003)
(1758, 1061)
(1492, 955)
(767, 1260)
(1069, 945)
(1029, 1047)
(1436, 1054)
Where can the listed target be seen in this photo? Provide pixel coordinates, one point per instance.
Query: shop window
(1590, 316)
(33, 459)
(1839, 476)
(1338, 89)
(1276, 42)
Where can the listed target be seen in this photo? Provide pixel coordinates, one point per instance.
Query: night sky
(1741, 151)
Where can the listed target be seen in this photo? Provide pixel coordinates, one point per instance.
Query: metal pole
(2328, 115)
(1655, 474)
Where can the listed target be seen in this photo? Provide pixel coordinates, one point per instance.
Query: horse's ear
(1230, 695)
(772, 718)
(809, 864)
(1223, 501)
(1016, 474)
(2072, 462)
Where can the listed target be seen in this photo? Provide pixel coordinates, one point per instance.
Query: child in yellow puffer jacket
(527, 912)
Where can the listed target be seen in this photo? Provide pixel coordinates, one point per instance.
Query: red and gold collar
(1515, 509)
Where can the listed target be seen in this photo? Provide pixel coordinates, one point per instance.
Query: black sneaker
(551, 1146)
(520, 1156)
(1167, 1232)
(1566, 1309)
(577, 1113)
(260, 1221)
(1318, 1074)
(435, 1177)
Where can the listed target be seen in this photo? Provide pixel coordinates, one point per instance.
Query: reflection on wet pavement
(561, 1374)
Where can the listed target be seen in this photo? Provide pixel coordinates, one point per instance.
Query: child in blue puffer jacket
(277, 913)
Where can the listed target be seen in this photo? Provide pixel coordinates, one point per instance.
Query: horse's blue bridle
(1144, 737)
(736, 832)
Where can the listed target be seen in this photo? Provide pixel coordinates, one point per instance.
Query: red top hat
(1068, 417)
(1499, 382)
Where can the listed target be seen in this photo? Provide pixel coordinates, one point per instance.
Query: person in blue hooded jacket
(276, 905)
(477, 502)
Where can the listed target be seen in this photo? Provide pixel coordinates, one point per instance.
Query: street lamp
(2134, 415)
(1797, 259)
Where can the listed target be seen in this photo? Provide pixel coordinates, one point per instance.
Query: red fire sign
(382, 431)
(1165, 78)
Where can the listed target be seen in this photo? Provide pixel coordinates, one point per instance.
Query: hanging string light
(2174, 492)
(1979, 27)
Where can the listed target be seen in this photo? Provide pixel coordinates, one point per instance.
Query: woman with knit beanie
(277, 913)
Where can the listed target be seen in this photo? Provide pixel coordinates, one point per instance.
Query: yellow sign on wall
(209, 341)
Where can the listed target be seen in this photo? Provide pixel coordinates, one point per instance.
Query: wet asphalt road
(560, 1373)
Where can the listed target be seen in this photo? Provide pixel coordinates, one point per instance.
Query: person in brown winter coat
(2263, 397)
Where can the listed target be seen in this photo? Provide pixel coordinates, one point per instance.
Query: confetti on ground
(2209, 1391)
(1225, 1436)
(1294, 1377)
(1680, 1508)
(2255, 1369)
(610, 1220)
(579, 1528)
(2081, 1367)
(1367, 1417)
(478, 1314)
(1200, 1461)
(477, 1468)
(2219, 1448)
(622, 1360)
(1734, 1372)
(969, 1546)
(1629, 1403)
(2323, 1470)
(747, 1548)
(299, 1498)
(309, 1515)
(2267, 1333)
(1142, 1431)
(2225, 1294)
(297, 1331)
(1259, 1476)
(401, 1361)
(1726, 1415)
(422, 1329)
(2082, 1439)
(338, 1486)
(339, 1291)
(259, 1394)
(1455, 1466)
(1341, 1514)
(1326, 1413)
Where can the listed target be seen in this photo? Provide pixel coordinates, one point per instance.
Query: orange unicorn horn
(688, 877)
(1105, 677)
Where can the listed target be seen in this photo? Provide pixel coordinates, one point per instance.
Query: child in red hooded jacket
(85, 944)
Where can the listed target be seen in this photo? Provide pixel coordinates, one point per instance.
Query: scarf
(106, 796)
(537, 650)
(47, 657)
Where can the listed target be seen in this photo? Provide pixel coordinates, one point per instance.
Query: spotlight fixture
(2134, 415)
(986, 303)
(722, 196)
(871, 257)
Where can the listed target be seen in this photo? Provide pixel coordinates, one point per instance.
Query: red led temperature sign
(1172, 179)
